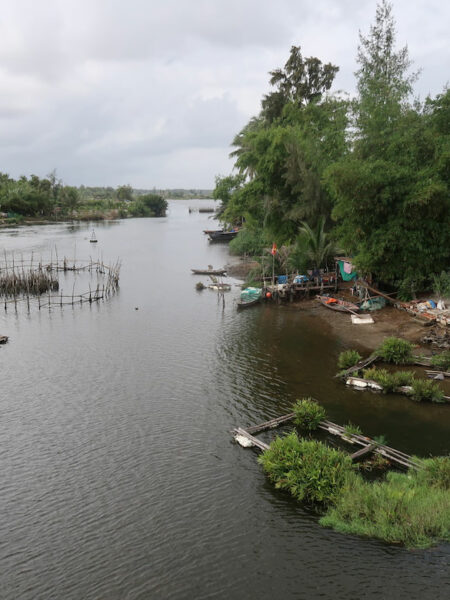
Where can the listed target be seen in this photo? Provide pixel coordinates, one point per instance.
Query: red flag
(274, 249)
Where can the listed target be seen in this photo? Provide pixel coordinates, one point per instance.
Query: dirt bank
(388, 322)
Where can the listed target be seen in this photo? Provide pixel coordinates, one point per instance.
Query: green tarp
(346, 276)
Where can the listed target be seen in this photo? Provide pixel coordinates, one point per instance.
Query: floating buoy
(268, 295)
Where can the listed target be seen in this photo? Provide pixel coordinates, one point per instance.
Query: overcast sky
(151, 92)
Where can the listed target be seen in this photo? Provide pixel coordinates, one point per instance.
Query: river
(120, 479)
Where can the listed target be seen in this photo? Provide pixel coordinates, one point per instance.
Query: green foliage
(425, 390)
(380, 439)
(389, 381)
(403, 509)
(441, 361)
(351, 429)
(441, 284)
(248, 241)
(348, 358)
(435, 472)
(308, 469)
(308, 413)
(395, 350)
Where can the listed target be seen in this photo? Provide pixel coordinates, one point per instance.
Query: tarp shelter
(345, 266)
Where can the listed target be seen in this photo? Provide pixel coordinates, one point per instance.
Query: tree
(317, 243)
(302, 81)
(125, 192)
(383, 82)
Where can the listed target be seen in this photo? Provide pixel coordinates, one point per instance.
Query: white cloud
(152, 93)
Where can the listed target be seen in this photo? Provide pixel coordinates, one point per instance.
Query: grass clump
(441, 361)
(308, 413)
(400, 509)
(425, 390)
(435, 472)
(389, 381)
(395, 350)
(351, 429)
(308, 469)
(348, 359)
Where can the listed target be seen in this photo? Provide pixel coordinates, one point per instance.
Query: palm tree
(317, 243)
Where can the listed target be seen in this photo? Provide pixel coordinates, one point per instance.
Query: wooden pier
(368, 445)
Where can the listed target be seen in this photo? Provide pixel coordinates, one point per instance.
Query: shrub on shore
(441, 361)
(308, 413)
(395, 350)
(425, 390)
(402, 509)
(389, 381)
(308, 469)
(348, 359)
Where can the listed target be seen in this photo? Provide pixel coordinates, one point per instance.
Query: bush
(308, 413)
(401, 509)
(308, 469)
(436, 472)
(389, 381)
(441, 361)
(351, 429)
(348, 359)
(247, 241)
(427, 391)
(395, 350)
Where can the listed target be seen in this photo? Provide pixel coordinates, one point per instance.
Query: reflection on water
(120, 479)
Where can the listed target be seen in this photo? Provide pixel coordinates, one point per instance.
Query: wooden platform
(368, 445)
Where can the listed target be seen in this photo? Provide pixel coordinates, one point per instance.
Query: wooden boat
(338, 305)
(248, 303)
(93, 239)
(208, 231)
(3, 339)
(222, 236)
(208, 271)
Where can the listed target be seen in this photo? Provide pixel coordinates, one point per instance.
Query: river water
(120, 479)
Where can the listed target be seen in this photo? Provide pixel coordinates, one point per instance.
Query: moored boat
(249, 297)
(338, 305)
(222, 236)
(208, 271)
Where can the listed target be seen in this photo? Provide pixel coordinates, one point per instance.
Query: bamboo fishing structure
(368, 445)
(27, 280)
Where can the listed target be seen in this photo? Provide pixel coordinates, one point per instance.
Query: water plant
(348, 358)
(441, 361)
(308, 413)
(395, 350)
(351, 429)
(425, 390)
(403, 509)
(308, 469)
(389, 381)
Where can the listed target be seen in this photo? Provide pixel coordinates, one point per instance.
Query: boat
(249, 297)
(222, 236)
(208, 271)
(248, 303)
(93, 239)
(338, 305)
(208, 231)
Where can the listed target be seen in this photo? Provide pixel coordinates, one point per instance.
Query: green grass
(308, 469)
(425, 390)
(395, 350)
(402, 509)
(441, 361)
(308, 413)
(348, 359)
(389, 381)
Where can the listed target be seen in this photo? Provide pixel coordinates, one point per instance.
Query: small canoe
(338, 305)
(248, 303)
(218, 272)
(222, 236)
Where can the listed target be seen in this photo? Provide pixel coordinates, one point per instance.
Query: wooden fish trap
(246, 438)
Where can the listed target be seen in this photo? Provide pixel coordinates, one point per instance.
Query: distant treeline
(48, 198)
(369, 177)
